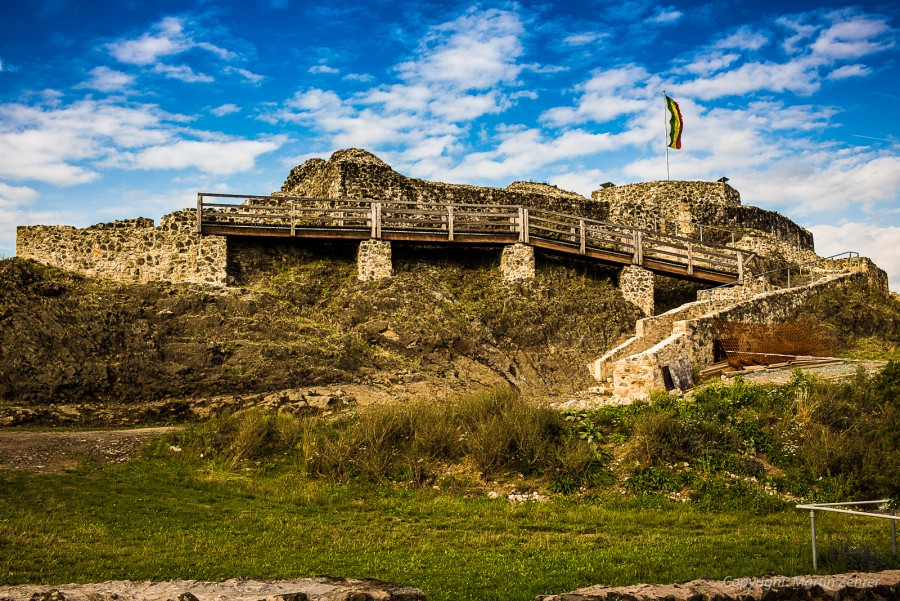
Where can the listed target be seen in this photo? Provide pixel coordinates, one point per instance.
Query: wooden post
(340, 218)
(378, 220)
(373, 219)
(525, 224)
(581, 229)
(450, 223)
(740, 265)
(638, 249)
(199, 213)
(293, 220)
(690, 251)
(521, 224)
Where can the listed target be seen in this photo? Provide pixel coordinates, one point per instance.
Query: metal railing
(845, 262)
(465, 222)
(679, 226)
(836, 508)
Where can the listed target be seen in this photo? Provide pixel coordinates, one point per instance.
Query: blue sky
(119, 109)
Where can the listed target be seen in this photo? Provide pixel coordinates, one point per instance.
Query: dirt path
(50, 452)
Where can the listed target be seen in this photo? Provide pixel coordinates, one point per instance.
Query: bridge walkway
(462, 223)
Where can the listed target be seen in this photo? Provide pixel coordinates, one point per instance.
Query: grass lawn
(156, 520)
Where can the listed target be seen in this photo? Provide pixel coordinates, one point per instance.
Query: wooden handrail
(467, 223)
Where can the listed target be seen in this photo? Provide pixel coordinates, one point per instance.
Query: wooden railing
(300, 217)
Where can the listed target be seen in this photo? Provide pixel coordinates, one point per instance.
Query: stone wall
(872, 586)
(692, 203)
(650, 331)
(131, 250)
(517, 263)
(691, 337)
(374, 260)
(358, 174)
(636, 284)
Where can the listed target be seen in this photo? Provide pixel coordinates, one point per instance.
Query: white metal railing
(837, 508)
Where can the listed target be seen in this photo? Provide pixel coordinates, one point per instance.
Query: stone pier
(517, 262)
(636, 284)
(373, 261)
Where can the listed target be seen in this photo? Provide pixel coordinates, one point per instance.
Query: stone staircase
(668, 348)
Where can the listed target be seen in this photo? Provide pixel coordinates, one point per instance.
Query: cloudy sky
(124, 108)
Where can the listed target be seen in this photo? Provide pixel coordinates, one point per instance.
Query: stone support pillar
(517, 262)
(636, 285)
(373, 261)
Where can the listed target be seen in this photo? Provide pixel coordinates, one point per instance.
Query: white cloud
(581, 39)
(69, 144)
(606, 96)
(584, 182)
(474, 52)
(851, 37)
(871, 240)
(799, 77)
(666, 16)
(460, 72)
(168, 39)
(361, 77)
(710, 63)
(182, 73)
(250, 76)
(744, 38)
(323, 69)
(225, 109)
(12, 197)
(105, 79)
(846, 71)
(52, 144)
(16, 204)
(522, 153)
(216, 157)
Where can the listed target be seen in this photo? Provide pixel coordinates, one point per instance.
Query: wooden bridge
(459, 223)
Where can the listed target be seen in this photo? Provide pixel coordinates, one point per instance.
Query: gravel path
(59, 451)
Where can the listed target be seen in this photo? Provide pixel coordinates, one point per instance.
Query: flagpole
(666, 134)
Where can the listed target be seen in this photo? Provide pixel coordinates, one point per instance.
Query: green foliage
(494, 430)
(655, 479)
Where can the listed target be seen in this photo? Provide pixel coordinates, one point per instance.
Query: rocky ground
(49, 452)
(303, 589)
(875, 586)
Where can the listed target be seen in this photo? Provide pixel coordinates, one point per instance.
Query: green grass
(155, 519)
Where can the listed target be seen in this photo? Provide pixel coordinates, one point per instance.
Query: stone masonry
(135, 250)
(692, 203)
(517, 262)
(636, 284)
(130, 250)
(358, 174)
(872, 586)
(684, 336)
(374, 260)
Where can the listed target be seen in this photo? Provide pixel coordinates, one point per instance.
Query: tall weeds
(495, 431)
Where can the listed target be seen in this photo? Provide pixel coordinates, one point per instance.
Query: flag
(675, 124)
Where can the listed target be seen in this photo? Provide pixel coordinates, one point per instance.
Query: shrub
(660, 438)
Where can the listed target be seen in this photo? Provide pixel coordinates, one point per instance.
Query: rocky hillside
(445, 323)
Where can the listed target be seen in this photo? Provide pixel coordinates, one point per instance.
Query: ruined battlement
(137, 250)
(355, 173)
(130, 250)
(690, 204)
